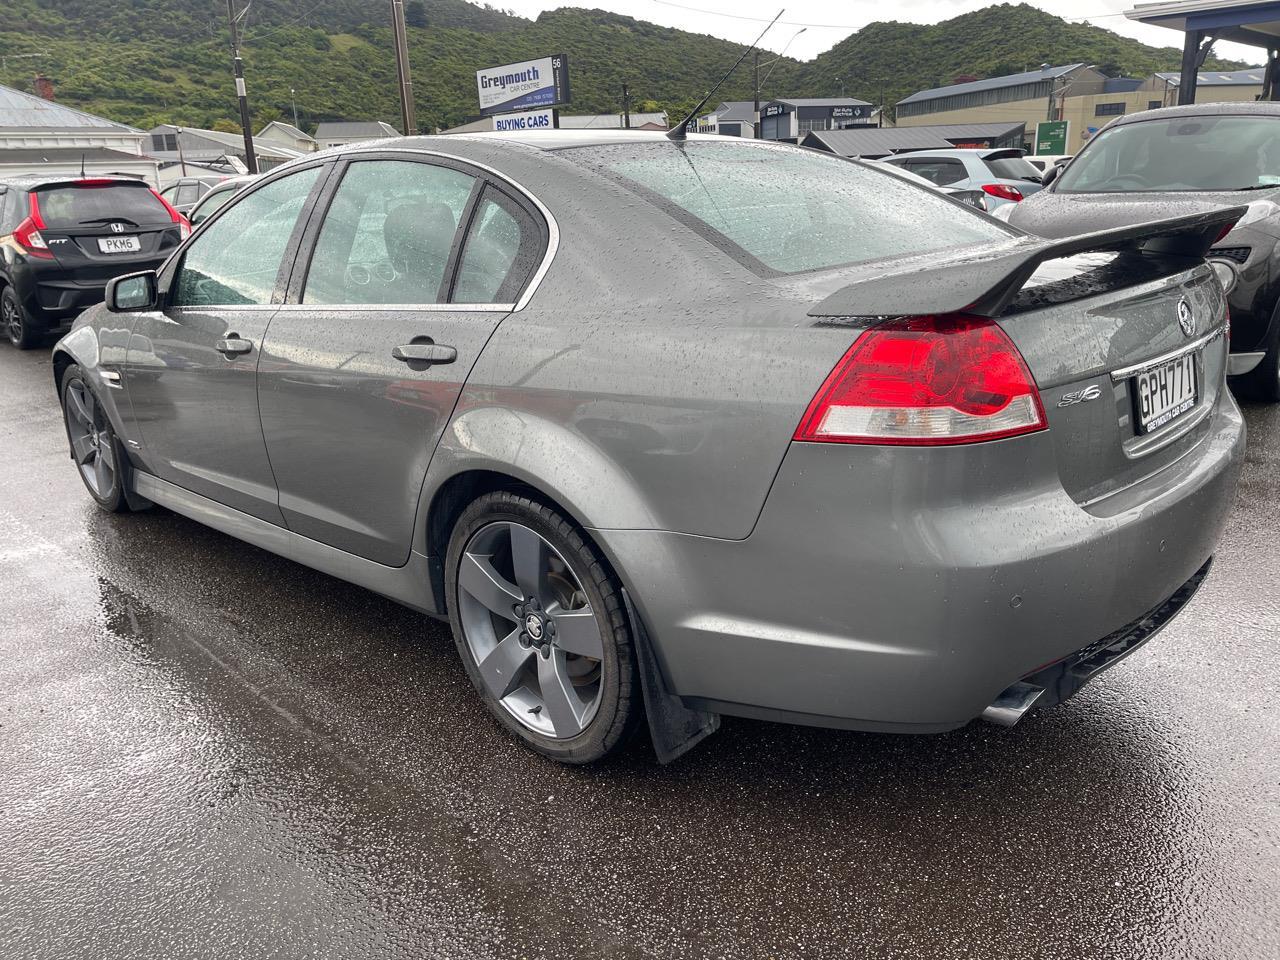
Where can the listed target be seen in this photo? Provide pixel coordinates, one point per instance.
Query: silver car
(715, 426)
(1004, 175)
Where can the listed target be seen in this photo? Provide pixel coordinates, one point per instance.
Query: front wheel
(97, 453)
(539, 622)
(16, 323)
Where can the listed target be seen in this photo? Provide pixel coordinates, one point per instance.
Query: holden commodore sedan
(682, 429)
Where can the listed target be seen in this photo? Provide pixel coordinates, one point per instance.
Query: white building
(340, 133)
(38, 136)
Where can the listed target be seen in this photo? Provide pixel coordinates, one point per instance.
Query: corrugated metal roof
(233, 140)
(993, 83)
(64, 154)
(1219, 78)
(355, 128)
(821, 102)
(874, 141)
(288, 128)
(744, 110)
(973, 131)
(27, 111)
(607, 121)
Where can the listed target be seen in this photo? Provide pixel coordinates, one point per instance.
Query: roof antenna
(679, 132)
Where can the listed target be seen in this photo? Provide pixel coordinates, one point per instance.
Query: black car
(62, 239)
(1178, 160)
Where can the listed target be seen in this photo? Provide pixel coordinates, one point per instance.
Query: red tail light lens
(27, 233)
(184, 225)
(926, 381)
(1003, 191)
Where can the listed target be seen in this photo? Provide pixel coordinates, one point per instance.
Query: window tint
(73, 206)
(940, 172)
(1181, 153)
(502, 247)
(387, 234)
(237, 259)
(790, 210)
(188, 193)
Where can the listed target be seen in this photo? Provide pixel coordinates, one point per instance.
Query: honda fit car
(1181, 159)
(714, 426)
(62, 239)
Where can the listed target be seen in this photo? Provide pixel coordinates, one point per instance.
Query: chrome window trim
(553, 228)
(1199, 343)
(400, 307)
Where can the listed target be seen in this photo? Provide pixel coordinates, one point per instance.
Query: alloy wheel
(91, 440)
(11, 318)
(531, 629)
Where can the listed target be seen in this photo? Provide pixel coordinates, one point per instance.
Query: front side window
(387, 234)
(789, 210)
(500, 253)
(1187, 153)
(237, 259)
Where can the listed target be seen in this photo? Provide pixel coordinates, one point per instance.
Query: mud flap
(673, 727)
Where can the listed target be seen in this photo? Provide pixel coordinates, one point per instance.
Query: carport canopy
(1205, 22)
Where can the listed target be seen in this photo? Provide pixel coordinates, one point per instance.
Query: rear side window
(939, 172)
(1013, 168)
(502, 247)
(782, 210)
(64, 207)
(388, 234)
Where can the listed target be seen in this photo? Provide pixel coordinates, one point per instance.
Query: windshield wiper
(102, 220)
(1256, 186)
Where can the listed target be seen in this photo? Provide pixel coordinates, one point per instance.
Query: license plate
(1166, 392)
(119, 244)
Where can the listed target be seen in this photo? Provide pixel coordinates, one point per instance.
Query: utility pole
(402, 68)
(626, 107)
(250, 159)
(177, 142)
(756, 125)
(293, 102)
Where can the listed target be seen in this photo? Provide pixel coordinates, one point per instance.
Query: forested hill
(150, 61)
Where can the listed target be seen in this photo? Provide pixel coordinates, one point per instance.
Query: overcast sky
(827, 22)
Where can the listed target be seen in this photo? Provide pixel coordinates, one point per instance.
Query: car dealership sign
(521, 86)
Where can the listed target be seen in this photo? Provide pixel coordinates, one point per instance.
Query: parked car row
(713, 424)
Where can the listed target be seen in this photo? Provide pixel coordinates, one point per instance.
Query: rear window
(1014, 168)
(783, 210)
(67, 206)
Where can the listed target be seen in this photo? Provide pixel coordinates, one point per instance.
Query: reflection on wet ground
(212, 752)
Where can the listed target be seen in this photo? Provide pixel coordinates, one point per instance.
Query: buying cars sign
(523, 86)
(532, 120)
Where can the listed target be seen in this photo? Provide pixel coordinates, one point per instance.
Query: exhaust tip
(1008, 708)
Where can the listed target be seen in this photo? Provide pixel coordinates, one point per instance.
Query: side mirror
(132, 292)
(1050, 175)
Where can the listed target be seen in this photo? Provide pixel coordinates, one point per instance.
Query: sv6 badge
(1091, 392)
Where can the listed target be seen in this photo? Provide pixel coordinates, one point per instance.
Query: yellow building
(1020, 98)
(1076, 93)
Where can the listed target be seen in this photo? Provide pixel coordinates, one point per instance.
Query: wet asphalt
(206, 751)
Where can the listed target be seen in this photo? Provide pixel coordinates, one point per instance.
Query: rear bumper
(53, 299)
(905, 590)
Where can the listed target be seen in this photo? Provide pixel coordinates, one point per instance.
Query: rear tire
(97, 452)
(16, 323)
(539, 622)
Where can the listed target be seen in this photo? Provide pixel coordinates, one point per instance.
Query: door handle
(424, 353)
(233, 345)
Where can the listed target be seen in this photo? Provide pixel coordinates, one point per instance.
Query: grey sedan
(680, 429)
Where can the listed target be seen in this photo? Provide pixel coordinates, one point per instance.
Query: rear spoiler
(986, 284)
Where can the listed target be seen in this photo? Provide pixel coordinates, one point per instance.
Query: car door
(191, 366)
(363, 365)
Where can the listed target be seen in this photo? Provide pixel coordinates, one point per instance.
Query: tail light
(926, 381)
(27, 233)
(184, 225)
(1003, 191)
